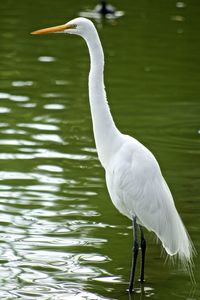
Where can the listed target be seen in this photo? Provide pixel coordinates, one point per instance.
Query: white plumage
(133, 176)
(137, 187)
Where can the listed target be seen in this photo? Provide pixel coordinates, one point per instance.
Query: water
(60, 236)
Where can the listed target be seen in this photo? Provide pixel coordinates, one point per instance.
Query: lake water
(60, 236)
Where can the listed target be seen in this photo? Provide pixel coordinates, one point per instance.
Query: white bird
(133, 176)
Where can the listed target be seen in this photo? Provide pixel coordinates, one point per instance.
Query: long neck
(105, 132)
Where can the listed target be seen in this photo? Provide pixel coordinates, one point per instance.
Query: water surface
(60, 236)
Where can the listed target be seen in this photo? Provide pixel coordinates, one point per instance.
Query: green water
(60, 236)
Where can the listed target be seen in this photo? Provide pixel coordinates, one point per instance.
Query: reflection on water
(60, 236)
(103, 10)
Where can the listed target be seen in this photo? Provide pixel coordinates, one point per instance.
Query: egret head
(78, 26)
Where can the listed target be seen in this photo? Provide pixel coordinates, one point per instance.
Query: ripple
(4, 110)
(50, 168)
(46, 119)
(4, 96)
(30, 176)
(17, 142)
(46, 59)
(69, 293)
(10, 194)
(32, 276)
(111, 279)
(62, 82)
(28, 105)
(54, 154)
(43, 153)
(90, 150)
(54, 106)
(48, 137)
(46, 187)
(22, 83)
(5, 187)
(178, 18)
(59, 243)
(180, 4)
(93, 257)
(75, 225)
(36, 195)
(13, 131)
(78, 212)
(51, 95)
(4, 124)
(5, 175)
(39, 126)
(11, 156)
(19, 98)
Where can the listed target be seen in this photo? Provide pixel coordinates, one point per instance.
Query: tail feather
(162, 218)
(179, 244)
(175, 238)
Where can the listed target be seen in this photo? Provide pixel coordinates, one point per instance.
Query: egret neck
(107, 136)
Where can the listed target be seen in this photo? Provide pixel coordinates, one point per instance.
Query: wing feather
(137, 188)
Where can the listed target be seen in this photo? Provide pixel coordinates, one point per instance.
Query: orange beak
(59, 28)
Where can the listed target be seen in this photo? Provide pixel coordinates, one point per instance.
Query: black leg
(143, 250)
(135, 254)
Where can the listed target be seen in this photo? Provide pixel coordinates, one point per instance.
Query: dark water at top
(60, 236)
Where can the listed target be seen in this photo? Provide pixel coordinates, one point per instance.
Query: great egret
(133, 176)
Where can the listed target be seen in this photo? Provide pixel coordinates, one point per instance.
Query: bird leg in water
(143, 250)
(135, 255)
